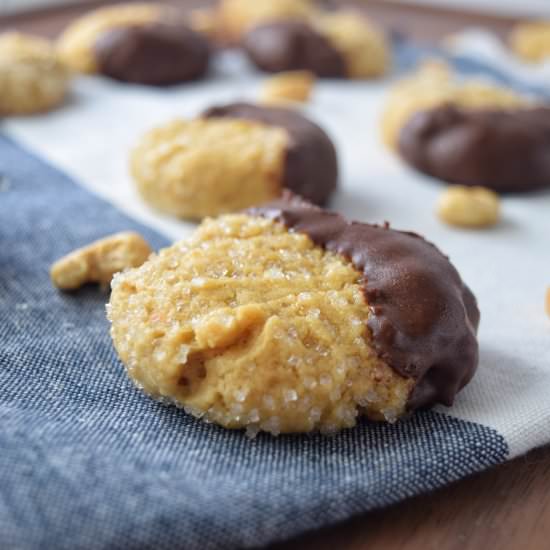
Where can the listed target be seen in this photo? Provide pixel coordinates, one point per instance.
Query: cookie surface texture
(261, 320)
(32, 80)
(233, 157)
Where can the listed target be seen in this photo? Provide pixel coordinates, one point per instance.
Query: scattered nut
(548, 301)
(288, 86)
(469, 206)
(99, 261)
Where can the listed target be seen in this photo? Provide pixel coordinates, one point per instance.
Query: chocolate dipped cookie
(339, 44)
(289, 318)
(468, 132)
(502, 149)
(232, 157)
(137, 43)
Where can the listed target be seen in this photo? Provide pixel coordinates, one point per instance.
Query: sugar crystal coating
(255, 356)
(196, 168)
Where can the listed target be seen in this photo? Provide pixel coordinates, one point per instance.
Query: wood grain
(507, 508)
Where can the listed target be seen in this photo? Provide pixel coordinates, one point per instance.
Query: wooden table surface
(506, 508)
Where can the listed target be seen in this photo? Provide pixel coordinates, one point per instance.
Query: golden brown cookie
(531, 41)
(342, 44)
(140, 43)
(31, 78)
(261, 320)
(233, 157)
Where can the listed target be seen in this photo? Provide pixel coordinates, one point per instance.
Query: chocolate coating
(423, 319)
(293, 45)
(311, 165)
(157, 54)
(505, 150)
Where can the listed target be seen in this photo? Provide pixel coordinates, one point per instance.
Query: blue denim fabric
(87, 461)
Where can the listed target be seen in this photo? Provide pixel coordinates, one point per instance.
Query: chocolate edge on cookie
(158, 53)
(311, 164)
(423, 318)
(293, 45)
(506, 150)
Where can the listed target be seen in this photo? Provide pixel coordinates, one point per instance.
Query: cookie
(233, 157)
(468, 132)
(237, 16)
(504, 150)
(336, 44)
(531, 41)
(288, 318)
(32, 79)
(432, 85)
(137, 43)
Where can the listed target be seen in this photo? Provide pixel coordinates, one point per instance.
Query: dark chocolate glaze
(311, 166)
(423, 318)
(505, 150)
(157, 54)
(293, 45)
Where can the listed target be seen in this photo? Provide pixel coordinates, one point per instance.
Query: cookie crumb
(99, 261)
(473, 207)
(547, 304)
(290, 86)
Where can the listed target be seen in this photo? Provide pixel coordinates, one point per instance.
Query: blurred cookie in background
(469, 132)
(339, 44)
(233, 157)
(136, 43)
(235, 17)
(531, 41)
(434, 84)
(32, 79)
